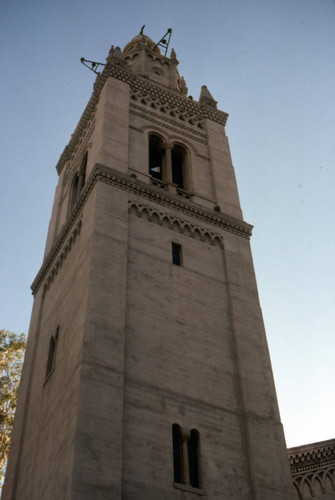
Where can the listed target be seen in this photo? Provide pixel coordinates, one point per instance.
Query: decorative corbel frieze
(175, 223)
(48, 273)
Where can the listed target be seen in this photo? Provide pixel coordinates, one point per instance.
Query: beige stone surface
(143, 343)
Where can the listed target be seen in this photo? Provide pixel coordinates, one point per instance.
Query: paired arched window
(185, 456)
(167, 164)
(78, 184)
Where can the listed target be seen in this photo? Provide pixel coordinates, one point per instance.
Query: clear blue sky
(271, 65)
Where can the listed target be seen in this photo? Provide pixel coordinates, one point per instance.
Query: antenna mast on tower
(164, 41)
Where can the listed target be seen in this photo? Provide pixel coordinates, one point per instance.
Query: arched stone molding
(57, 265)
(313, 469)
(313, 484)
(297, 495)
(317, 479)
(170, 140)
(306, 487)
(175, 223)
(168, 123)
(329, 474)
(175, 137)
(83, 146)
(150, 130)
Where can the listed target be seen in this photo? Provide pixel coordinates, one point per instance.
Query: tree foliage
(12, 348)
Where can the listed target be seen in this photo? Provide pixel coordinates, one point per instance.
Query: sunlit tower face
(147, 373)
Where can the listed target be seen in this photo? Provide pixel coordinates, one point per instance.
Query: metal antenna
(92, 65)
(164, 41)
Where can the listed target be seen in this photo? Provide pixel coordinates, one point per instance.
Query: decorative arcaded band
(313, 468)
(175, 223)
(310, 484)
(55, 263)
(169, 124)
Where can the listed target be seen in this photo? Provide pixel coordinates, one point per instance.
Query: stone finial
(118, 53)
(173, 56)
(115, 57)
(206, 98)
(183, 86)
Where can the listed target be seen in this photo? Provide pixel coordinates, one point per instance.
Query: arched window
(178, 160)
(82, 170)
(74, 192)
(78, 184)
(156, 157)
(185, 456)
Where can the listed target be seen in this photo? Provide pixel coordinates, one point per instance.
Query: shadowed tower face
(147, 373)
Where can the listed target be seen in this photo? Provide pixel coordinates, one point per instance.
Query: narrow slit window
(177, 454)
(52, 354)
(74, 192)
(78, 184)
(193, 446)
(176, 254)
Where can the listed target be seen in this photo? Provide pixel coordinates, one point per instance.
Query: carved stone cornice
(310, 457)
(221, 220)
(183, 107)
(101, 173)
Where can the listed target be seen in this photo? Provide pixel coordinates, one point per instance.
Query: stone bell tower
(147, 374)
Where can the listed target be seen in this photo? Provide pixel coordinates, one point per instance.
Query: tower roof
(138, 42)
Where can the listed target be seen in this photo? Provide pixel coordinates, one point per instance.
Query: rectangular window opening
(176, 254)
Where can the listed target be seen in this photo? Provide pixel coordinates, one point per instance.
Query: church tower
(147, 374)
